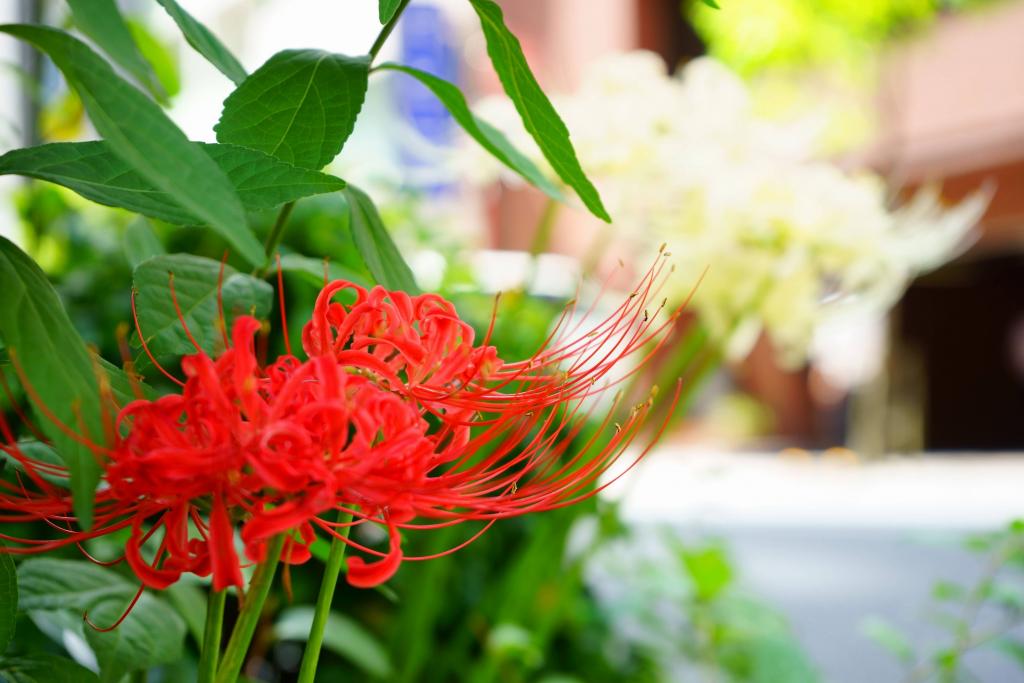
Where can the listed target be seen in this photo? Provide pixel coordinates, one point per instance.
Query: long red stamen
(124, 615)
(145, 346)
(177, 311)
(280, 301)
(222, 322)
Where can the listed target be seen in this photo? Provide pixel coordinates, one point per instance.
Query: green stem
(249, 617)
(596, 251)
(277, 232)
(541, 241)
(382, 37)
(335, 559)
(545, 226)
(210, 656)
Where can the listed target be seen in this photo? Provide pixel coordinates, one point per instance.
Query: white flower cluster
(785, 239)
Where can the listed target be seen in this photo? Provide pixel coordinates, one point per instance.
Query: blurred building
(952, 108)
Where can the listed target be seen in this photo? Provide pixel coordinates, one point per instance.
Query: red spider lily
(395, 416)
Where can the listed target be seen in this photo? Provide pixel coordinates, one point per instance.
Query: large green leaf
(387, 8)
(92, 170)
(43, 668)
(151, 634)
(374, 244)
(102, 21)
(195, 285)
(8, 599)
(54, 359)
(539, 116)
(189, 600)
(889, 637)
(140, 133)
(486, 135)
(343, 636)
(46, 583)
(300, 106)
(204, 42)
(1013, 649)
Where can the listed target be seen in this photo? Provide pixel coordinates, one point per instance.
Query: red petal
(367, 575)
(147, 573)
(223, 557)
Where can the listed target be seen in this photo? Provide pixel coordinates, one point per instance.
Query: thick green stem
(210, 656)
(596, 251)
(545, 226)
(277, 232)
(335, 559)
(541, 241)
(386, 31)
(249, 617)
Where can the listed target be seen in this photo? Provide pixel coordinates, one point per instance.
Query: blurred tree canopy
(816, 61)
(750, 35)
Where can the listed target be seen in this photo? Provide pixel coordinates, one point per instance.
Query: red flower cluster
(396, 415)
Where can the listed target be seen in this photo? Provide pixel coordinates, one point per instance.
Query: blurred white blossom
(786, 239)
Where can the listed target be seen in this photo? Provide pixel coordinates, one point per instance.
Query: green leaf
(140, 242)
(205, 43)
(92, 170)
(1009, 596)
(54, 359)
(54, 623)
(102, 21)
(8, 599)
(539, 116)
(195, 285)
(300, 106)
(888, 637)
(152, 634)
(947, 661)
(712, 4)
(313, 270)
(374, 244)
(141, 135)
(46, 583)
(43, 668)
(1014, 649)
(159, 55)
(190, 602)
(387, 8)
(948, 591)
(709, 570)
(343, 636)
(490, 138)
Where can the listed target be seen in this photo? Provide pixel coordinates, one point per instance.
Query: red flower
(397, 415)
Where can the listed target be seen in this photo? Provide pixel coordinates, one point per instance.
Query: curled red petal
(147, 573)
(363, 574)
